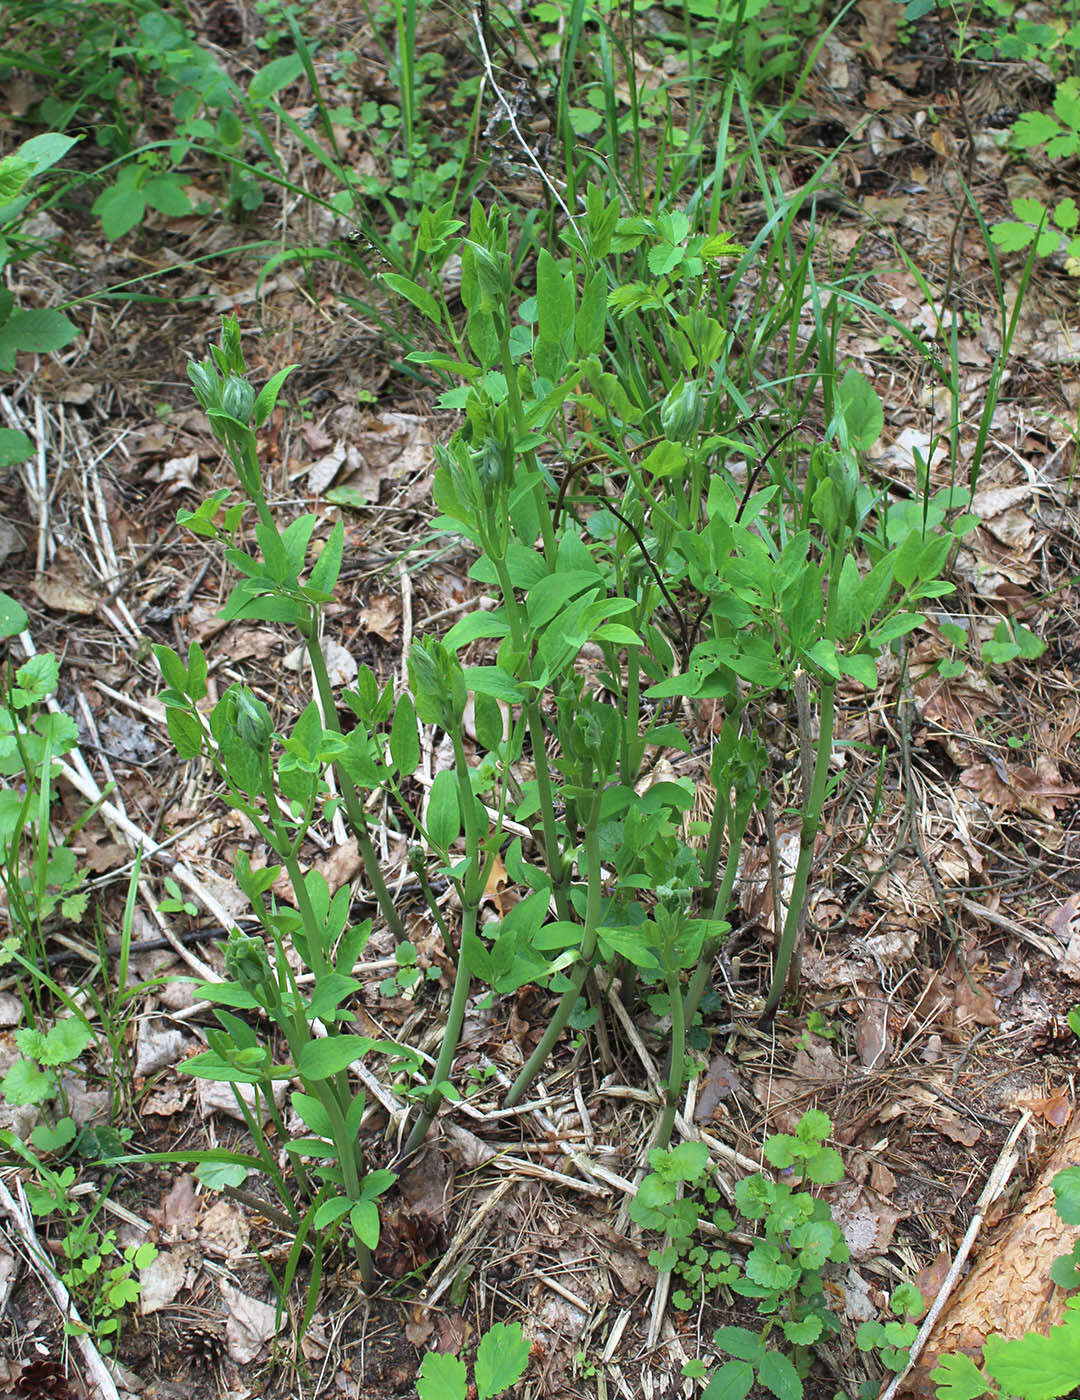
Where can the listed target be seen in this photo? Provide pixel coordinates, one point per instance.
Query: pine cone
(43, 1380)
(205, 1348)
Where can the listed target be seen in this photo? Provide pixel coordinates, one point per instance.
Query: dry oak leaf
(62, 590)
(250, 1326)
(1018, 787)
(382, 615)
(1057, 1109)
(956, 1130)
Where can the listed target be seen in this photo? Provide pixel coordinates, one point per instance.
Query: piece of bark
(1009, 1290)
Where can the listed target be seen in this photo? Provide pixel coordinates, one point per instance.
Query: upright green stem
(552, 853)
(676, 1065)
(547, 530)
(353, 810)
(811, 823)
(472, 892)
(698, 981)
(568, 1001)
(454, 1021)
(333, 1094)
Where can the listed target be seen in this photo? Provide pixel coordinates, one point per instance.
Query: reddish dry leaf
(62, 589)
(1057, 1109)
(872, 1031)
(425, 1184)
(930, 1278)
(497, 878)
(882, 1179)
(250, 1326)
(718, 1082)
(419, 1327)
(867, 1219)
(956, 1130)
(1019, 788)
(224, 1230)
(180, 1209)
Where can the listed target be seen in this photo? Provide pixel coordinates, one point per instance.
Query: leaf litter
(994, 823)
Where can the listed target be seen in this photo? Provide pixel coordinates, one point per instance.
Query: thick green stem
(568, 1001)
(547, 530)
(472, 890)
(552, 855)
(677, 1064)
(700, 978)
(353, 810)
(454, 1022)
(810, 825)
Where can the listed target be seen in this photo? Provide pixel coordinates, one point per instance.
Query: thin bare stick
(995, 1184)
(19, 1212)
(509, 112)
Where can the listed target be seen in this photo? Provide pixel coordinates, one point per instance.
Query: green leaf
(444, 810)
(442, 1377)
(364, 1218)
(36, 332)
(24, 1083)
(501, 1359)
(740, 1342)
(119, 208)
(764, 1266)
(777, 1373)
(13, 619)
(805, 1332)
(475, 626)
(493, 681)
(551, 594)
(861, 668)
(404, 740)
(731, 1382)
(419, 296)
(45, 150)
(15, 447)
(825, 1167)
(165, 193)
(554, 299)
(185, 731)
(1033, 1366)
(1066, 1187)
(66, 1041)
(958, 1378)
(1033, 129)
(15, 171)
(51, 1139)
(331, 1210)
(1011, 236)
(861, 410)
(319, 1059)
(324, 575)
(267, 396)
(814, 1126)
(313, 1113)
(592, 317)
(848, 616)
(279, 73)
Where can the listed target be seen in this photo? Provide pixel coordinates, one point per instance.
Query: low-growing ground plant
(784, 1271)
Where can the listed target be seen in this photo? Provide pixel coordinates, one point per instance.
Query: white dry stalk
(19, 1212)
(509, 113)
(1003, 1169)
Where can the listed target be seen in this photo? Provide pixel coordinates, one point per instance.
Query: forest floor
(943, 945)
